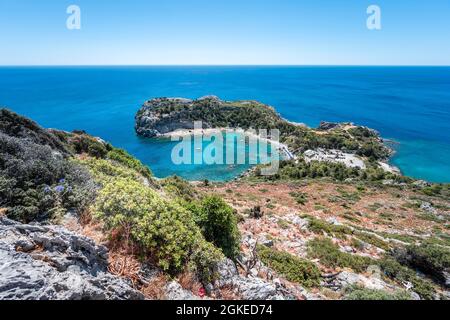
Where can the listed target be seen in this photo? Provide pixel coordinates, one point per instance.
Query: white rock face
(389, 168)
(174, 291)
(336, 156)
(249, 288)
(346, 278)
(51, 263)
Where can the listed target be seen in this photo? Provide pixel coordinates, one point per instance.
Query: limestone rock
(249, 288)
(51, 263)
(174, 291)
(346, 278)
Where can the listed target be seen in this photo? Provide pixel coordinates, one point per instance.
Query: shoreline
(281, 147)
(181, 133)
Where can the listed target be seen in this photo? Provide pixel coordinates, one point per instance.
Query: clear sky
(150, 32)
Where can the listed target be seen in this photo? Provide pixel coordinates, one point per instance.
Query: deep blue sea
(410, 105)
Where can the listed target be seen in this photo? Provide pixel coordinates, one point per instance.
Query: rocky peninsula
(343, 143)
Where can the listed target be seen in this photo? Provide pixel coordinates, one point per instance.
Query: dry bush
(227, 293)
(189, 281)
(91, 228)
(155, 288)
(94, 230)
(85, 217)
(125, 265)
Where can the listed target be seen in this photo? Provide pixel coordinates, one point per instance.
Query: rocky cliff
(163, 115)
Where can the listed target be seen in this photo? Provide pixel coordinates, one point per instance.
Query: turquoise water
(410, 105)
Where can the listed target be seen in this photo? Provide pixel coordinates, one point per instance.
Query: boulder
(174, 291)
(40, 262)
(345, 279)
(248, 288)
(428, 207)
(325, 125)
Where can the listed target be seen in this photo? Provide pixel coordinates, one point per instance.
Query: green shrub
(218, 223)
(129, 161)
(283, 224)
(319, 226)
(372, 239)
(38, 183)
(299, 197)
(180, 188)
(433, 190)
(164, 229)
(393, 269)
(105, 171)
(358, 293)
(431, 259)
(204, 259)
(14, 125)
(293, 268)
(329, 255)
(84, 143)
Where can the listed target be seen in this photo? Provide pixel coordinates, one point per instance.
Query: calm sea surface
(410, 105)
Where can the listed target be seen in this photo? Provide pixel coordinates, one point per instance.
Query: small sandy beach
(180, 133)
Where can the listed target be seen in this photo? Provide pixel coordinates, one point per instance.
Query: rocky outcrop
(174, 291)
(325, 125)
(160, 116)
(248, 288)
(39, 262)
(151, 123)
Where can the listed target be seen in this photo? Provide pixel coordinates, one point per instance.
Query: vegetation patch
(372, 239)
(293, 268)
(283, 224)
(395, 270)
(319, 227)
(179, 188)
(218, 223)
(161, 228)
(129, 161)
(360, 293)
(330, 256)
(299, 197)
(431, 259)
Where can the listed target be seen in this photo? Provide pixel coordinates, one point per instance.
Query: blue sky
(324, 32)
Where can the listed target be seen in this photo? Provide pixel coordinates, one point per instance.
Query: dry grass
(85, 217)
(189, 281)
(122, 257)
(328, 199)
(227, 293)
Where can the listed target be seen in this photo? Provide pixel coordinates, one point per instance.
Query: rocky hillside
(81, 219)
(344, 240)
(42, 262)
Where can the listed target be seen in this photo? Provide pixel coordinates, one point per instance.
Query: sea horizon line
(224, 65)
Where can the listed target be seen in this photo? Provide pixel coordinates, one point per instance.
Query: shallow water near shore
(410, 105)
